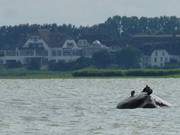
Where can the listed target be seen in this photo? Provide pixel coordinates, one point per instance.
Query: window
(155, 59)
(59, 53)
(11, 53)
(26, 52)
(161, 59)
(41, 52)
(166, 59)
(54, 53)
(67, 52)
(77, 52)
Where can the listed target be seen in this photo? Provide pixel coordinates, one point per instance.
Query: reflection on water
(85, 107)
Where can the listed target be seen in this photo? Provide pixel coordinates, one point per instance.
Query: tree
(13, 64)
(128, 57)
(83, 63)
(101, 59)
(62, 65)
(34, 64)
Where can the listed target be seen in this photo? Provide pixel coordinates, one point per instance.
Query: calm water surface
(85, 107)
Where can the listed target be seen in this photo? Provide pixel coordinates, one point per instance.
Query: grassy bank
(127, 73)
(27, 74)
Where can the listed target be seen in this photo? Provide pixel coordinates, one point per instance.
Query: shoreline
(89, 73)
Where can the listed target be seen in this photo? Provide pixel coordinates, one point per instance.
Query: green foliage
(125, 73)
(116, 30)
(128, 57)
(89, 72)
(101, 59)
(13, 64)
(83, 62)
(60, 66)
(97, 73)
(68, 66)
(31, 74)
(34, 64)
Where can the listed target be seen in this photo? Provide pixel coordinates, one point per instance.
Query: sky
(81, 12)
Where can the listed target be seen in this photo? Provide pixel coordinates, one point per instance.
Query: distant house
(37, 48)
(89, 49)
(34, 48)
(158, 58)
(68, 52)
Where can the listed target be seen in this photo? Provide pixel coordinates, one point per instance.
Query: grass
(127, 73)
(28, 74)
(22, 73)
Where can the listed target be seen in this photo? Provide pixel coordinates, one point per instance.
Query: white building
(83, 43)
(36, 48)
(158, 58)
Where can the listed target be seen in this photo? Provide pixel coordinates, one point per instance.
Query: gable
(35, 43)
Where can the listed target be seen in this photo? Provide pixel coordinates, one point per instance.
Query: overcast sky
(81, 12)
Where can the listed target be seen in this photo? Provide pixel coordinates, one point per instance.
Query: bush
(61, 66)
(128, 57)
(13, 64)
(101, 59)
(33, 64)
(113, 73)
(98, 73)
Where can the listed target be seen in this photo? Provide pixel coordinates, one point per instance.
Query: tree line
(115, 30)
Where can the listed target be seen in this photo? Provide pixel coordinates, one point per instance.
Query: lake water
(85, 107)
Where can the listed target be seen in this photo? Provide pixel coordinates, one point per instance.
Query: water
(85, 107)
